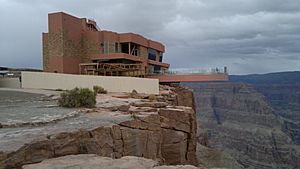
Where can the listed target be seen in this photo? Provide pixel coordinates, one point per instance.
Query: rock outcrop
(242, 124)
(117, 127)
(92, 161)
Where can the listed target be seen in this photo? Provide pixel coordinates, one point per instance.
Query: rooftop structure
(78, 46)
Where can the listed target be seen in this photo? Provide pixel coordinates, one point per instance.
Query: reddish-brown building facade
(77, 46)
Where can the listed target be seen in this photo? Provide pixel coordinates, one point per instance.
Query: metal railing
(188, 71)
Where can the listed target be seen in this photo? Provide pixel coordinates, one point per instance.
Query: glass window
(106, 48)
(160, 56)
(151, 54)
(116, 47)
(157, 68)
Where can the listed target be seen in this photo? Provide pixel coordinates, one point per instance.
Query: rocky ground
(19, 108)
(162, 129)
(92, 161)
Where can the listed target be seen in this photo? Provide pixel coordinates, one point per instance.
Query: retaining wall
(43, 80)
(8, 82)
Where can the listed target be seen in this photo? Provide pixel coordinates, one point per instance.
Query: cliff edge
(159, 129)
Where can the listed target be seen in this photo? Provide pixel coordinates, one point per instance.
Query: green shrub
(99, 89)
(152, 97)
(77, 97)
(134, 94)
(83, 148)
(135, 117)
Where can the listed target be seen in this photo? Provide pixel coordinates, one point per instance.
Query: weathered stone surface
(91, 161)
(174, 147)
(19, 109)
(150, 104)
(174, 118)
(185, 97)
(179, 167)
(166, 133)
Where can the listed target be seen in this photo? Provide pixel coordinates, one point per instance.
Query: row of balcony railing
(188, 71)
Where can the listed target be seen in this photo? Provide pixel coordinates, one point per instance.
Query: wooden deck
(112, 69)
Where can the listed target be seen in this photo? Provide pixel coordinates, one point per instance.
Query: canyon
(238, 121)
(282, 92)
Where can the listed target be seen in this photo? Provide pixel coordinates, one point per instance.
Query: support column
(129, 48)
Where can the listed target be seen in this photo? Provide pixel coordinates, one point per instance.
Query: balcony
(190, 75)
(117, 56)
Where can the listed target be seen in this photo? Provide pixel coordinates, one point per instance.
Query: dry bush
(77, 97)
(99, 89)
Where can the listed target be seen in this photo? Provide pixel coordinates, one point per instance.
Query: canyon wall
(240, 122)
(282, 91)
(285, 100)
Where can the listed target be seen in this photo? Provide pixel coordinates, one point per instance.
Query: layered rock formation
(285, 100)
(213, 158)
(92, 161)
(117, 127)
(282, 90)
(241, 123)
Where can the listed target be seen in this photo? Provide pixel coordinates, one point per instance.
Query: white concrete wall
(7, 82)
(42, 80)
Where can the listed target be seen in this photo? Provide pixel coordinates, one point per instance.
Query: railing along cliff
(189, 71)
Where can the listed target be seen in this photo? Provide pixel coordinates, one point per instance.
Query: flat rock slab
(110, 100)
(91, 161)
(11, 139)
(26, 117)
(19, 108)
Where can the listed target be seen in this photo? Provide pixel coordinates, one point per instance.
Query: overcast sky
(247, 36)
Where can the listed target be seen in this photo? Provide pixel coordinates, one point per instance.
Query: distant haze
(247, 36)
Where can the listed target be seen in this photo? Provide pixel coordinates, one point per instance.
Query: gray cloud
(254, 36)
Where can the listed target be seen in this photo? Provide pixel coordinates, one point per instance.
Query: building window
(151, 54)
(124, 48)
(106, 48)
(101, 48)
(116, 48)
(157, 69)
(160, 56)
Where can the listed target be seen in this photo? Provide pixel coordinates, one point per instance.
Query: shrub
(135, 117)
(152, 97)
(83, 148)
(99, 89)
(77, 97)
(134, 94)
(134, 91)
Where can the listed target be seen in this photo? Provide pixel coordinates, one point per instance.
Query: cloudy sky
(247, 36)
